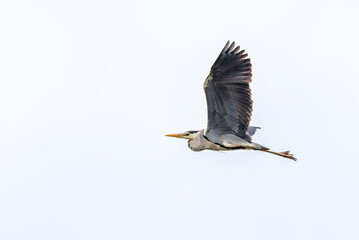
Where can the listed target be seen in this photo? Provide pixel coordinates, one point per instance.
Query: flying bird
(229, 107)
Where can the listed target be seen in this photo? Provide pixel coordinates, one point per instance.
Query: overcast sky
(89, 88)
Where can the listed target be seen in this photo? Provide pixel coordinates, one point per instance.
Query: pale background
(89, 88)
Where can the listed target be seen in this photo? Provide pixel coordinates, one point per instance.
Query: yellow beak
(179, 135)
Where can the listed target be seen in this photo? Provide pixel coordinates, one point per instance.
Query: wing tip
(225, 47)
(231, 48)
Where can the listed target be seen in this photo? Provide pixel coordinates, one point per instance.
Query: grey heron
(229, 107)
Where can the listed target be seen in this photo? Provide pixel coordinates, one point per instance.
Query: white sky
(89, 88)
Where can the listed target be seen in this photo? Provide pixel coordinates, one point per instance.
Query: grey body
(222, 143)
(229, 106)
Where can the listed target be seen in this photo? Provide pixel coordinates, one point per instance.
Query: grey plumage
(229, 106)
(228, 95)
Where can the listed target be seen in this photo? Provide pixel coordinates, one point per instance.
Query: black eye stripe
(190, 132)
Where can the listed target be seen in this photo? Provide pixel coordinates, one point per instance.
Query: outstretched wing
(228, 95)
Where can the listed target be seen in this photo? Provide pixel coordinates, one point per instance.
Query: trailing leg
(285, 154)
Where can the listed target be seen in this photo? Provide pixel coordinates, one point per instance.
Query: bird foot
(287, 154)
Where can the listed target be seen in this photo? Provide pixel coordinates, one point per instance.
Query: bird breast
(200, 143)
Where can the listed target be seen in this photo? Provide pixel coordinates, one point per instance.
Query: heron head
(186, 135)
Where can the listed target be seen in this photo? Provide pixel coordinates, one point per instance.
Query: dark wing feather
(229, 102)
